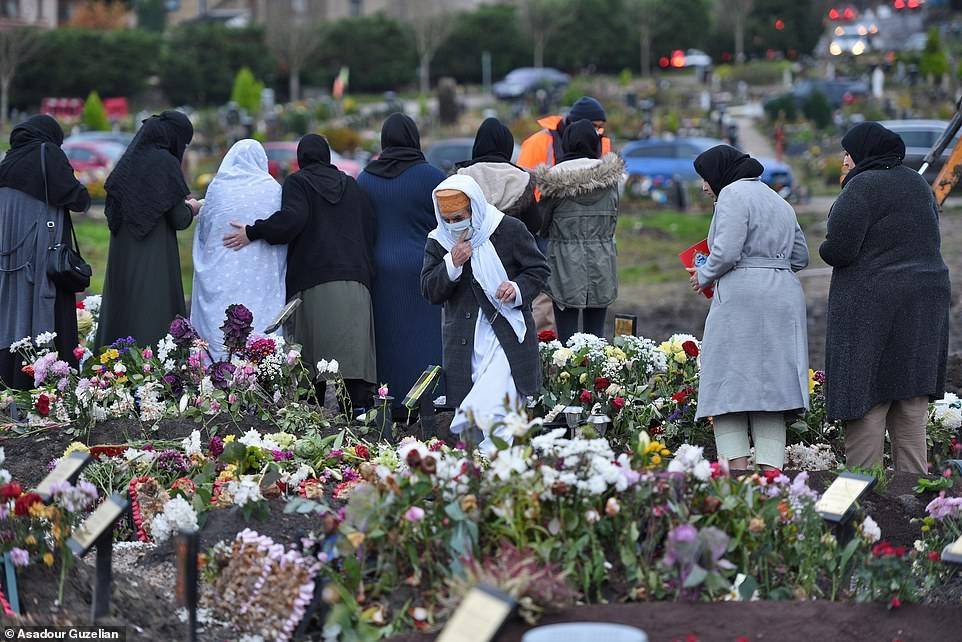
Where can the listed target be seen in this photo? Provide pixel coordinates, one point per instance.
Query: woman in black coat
(888, 306)
(35, 200)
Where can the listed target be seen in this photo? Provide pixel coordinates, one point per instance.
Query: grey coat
(579, 205)
(755, 352)
(526, 266)
(888, 306)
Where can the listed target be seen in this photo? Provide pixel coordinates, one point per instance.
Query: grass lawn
(94, 239)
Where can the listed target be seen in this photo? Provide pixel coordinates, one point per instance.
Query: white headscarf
(485, 262)
(242, 191)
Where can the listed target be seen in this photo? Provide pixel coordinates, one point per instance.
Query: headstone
(479, 617)
(878, 82)
(626, 324)
(838, 501)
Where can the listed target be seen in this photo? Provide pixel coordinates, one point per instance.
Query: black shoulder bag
(65, 267)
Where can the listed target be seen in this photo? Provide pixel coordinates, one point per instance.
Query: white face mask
(456, 228)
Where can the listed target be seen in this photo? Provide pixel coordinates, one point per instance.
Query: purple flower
(19, 557)
(172, 461)
(216, 446)
(820, 376)
(221, 374)
(123, 345)
(174, 383)
(282, 455)
(349, 474)
(237, 328)
(182, 332)
(683, 533)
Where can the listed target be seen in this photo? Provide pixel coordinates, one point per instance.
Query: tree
(151, 15)
(100, 14)
(247, 91)
(800, 21)
(375, 68)
(293, 37)
(491, 28)
(17, 46)
(593, 34)
(643, 15)
(934, 63)
(540, 19)
(432, 22)
(94, 115)
(735, 13)
(681, 24)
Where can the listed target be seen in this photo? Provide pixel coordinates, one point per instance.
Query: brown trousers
(543, 310)
(905, 420)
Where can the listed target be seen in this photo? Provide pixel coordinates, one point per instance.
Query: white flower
(408, 444)
(333, 366)
(508, 461)
(322, 366)
(119, 368)
(178, 515)
(22, 344)
(949, 416)
(919, 546)
(690, 460)
(44, 338)
(592, 516)
(164, 347)
(870, 530)
(191, 445)
(246, 491)
(561, 357)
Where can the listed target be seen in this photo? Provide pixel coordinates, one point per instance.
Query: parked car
(838, 92)
(120, 138)
(697, 58)
(282, 160)
(661, 161)
(445, 153)
(526, 80)
(88, 155)
(919, 136)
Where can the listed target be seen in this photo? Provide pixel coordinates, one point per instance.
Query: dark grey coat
(526, 266)
(888, 306)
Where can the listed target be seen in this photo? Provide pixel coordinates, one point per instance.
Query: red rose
(681, 396)
(585, 396)
(81, 305)
(934, 556)
(27, 370)
(771, 475)
(690, 348)
(43, 405)
(618, 403)
(10, 491)
(602, 383)
(24, 502)
(546, 336)
(361, 451)
(895, 603)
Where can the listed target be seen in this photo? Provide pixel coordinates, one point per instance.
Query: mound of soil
(781, 621)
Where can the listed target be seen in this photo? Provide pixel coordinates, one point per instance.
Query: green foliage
(74, 62)
(378, 50)
(594, 34)
(151, 15)
(934, 61)
(803, 27)
(680, 25)
(94, 115)
(492, 28)
(782, 105)
(818, 110)
(200, 60)
(247, 91)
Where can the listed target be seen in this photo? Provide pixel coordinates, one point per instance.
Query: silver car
(919, 136)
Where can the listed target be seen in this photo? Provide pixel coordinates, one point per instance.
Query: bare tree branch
(293, 37)
(17, 45)
(432, 23)
(735, 14)
(541, 19)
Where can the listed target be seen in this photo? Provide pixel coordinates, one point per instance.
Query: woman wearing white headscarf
(242, 190)
(486, 269)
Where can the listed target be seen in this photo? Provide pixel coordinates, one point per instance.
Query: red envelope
(695, 256)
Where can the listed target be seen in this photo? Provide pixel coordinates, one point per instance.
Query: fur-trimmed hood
(581, 176)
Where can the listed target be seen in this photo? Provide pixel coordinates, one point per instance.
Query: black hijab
(493, 143)
(722, 165)
(314, 159)
(21, 168)
(872, 146)
(580, 140)
(148, 179)
(400, 147)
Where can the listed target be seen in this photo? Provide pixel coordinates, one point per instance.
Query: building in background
(242, 12)
(49, 14)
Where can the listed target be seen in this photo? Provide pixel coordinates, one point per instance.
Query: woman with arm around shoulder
(754, 360)
(888, 305)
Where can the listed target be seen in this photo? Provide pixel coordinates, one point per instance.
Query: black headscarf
(21, 168)
(872, 146)
(722, 165)
(400, 147)
(580, 140)
(314, 159)
(148, 179)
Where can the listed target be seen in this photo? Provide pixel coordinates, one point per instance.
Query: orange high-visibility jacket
(544, 147)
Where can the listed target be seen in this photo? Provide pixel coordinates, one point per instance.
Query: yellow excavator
(951, 172)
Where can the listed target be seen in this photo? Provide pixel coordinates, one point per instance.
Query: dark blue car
(662, 161)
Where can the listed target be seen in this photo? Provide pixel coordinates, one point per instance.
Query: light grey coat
(755, 351)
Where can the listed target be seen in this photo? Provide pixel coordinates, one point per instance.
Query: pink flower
(382, 392)
(147, 367)
(148, 353)
(414, 514)
(79, 352)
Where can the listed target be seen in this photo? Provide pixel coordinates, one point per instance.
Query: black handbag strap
(51, 225)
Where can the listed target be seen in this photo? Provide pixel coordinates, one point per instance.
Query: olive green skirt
(336, 321)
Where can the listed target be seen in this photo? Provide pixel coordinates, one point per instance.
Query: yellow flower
(38, 510)
(655, 460)
(228, 474)
(615, 353)
(356, 538)
(583, 378)
(109, 355)
(75, 446)
(665, 452)
(30, 540)
(680, 356)
(121, 379)
(229, 439)
(811, 381)
(564, 376)
(48, 558)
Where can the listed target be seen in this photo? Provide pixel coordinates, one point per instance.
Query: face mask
(456, 228)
